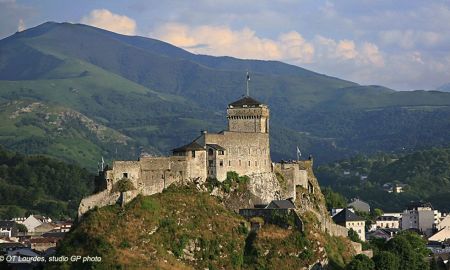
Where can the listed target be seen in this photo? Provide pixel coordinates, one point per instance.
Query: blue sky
(401, 44)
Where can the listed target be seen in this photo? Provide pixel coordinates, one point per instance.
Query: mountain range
(97, 93)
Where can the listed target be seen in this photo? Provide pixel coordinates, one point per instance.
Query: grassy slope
(153, 231)
(36, 127)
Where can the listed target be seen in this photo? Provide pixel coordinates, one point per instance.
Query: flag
(248, 76)
(298, 152)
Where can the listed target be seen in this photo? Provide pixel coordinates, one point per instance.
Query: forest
(424, 174)
(40, 185)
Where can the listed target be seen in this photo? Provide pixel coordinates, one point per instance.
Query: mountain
(160, 96)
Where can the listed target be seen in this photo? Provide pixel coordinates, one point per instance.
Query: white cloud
(105, 19)
(243, 43)
(21, 26)
(346, 49)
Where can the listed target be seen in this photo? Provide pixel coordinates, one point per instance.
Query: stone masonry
(243, 148)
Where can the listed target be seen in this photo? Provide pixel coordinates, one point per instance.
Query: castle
(243, 148)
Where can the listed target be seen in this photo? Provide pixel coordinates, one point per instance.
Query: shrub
(123, 185)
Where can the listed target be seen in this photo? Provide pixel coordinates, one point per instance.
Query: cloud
(21, 26)
(346, 49)
(105, 19)
(243, 43)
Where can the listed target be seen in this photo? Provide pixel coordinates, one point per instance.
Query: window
(229, 162)
(249, 163)
(256, 163)
(125, 175)
(221, 163)
(239, 162)
(193, 153)
(221, 152)
(210, 152)
(210, 163)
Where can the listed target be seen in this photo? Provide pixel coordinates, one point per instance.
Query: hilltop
(184, 228)
(154, 94)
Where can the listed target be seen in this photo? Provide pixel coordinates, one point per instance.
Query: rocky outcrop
(265, 187)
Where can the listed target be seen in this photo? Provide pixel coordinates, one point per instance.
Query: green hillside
(38, 184)
(35, 127)
(426, 174)
(161, 96)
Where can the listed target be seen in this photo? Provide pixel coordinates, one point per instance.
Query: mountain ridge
(161, 96)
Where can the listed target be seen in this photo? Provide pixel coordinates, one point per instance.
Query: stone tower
(248, 115)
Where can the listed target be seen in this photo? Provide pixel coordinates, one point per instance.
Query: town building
(386, 221)
(359, 205)
(443, 222)
(441, 236)
(350, 220)
(420, 217)
(8, 228)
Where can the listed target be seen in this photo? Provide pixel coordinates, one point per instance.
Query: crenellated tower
(248, 115)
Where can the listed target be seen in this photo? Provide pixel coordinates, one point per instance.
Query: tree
(13, 211)
(410, 249)
(386, 260)
(334, 199)
(22, 228)
(360, 262)
(353, 236)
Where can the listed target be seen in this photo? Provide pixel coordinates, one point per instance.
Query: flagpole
(248, 79)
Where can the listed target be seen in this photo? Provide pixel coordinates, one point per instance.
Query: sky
(401, 44)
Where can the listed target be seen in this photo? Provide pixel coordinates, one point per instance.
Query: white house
(385, 221)
(350, 220)
(34, 221)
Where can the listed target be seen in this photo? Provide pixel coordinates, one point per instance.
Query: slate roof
(281, 204)
(7, 224)
(216, 146)
(189, 147)
(248, 101)
(346, 215)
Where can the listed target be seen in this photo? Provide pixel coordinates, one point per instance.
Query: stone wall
(246, 153)
(293, 176)
(248, 119)
(149, 175)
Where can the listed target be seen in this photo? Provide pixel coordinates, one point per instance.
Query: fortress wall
(100, 199)
(154, 163)
(246, 153)
(197, 166)
(293, 175)
(128, 169)
(248, 119)
(131, 168)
